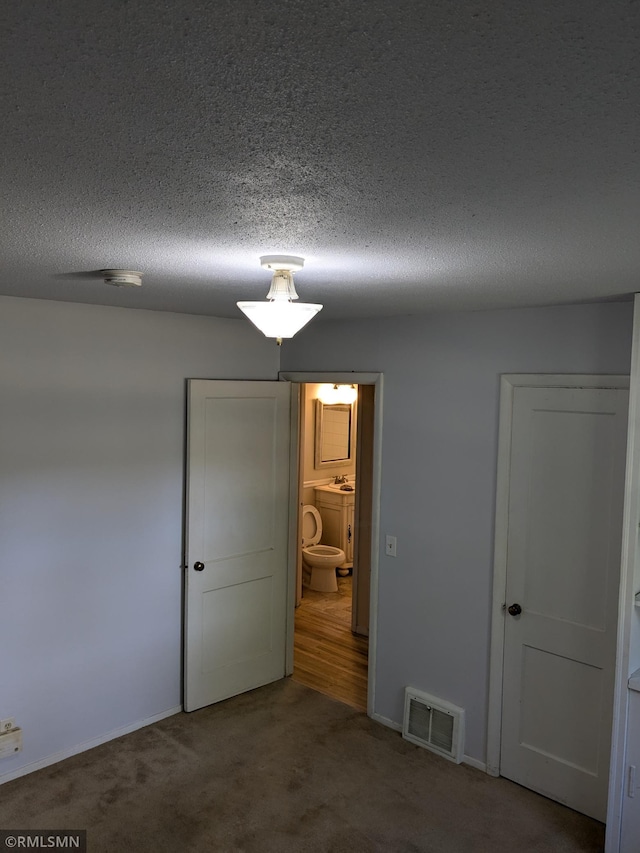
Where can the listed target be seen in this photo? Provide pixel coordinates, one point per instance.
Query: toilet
(323, 560)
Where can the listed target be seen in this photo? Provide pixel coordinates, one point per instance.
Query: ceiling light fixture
(279, 317)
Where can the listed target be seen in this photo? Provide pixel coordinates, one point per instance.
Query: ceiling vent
(122, 278)
(434, 724)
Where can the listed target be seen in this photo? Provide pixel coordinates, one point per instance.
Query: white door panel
(238, 527)
(568, 448)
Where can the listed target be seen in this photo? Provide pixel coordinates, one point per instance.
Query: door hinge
(631, 790)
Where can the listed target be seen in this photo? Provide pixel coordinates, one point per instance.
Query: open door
(237, 537)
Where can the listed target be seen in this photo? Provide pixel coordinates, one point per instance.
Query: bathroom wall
(310, 472)
(439, 452)
(91, 490)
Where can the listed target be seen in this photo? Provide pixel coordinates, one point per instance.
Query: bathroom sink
(342, 487)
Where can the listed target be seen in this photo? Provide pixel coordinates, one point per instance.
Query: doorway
(333, 649)
(557, 563)
(238, 623)
(334, 509)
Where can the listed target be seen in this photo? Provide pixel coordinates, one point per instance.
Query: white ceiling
(420, 154)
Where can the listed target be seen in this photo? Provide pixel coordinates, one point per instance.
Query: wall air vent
(434, 724)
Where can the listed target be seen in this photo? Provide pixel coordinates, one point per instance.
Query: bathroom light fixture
(333, 394)
(279, 317)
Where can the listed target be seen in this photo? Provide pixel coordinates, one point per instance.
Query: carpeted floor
(285, 769)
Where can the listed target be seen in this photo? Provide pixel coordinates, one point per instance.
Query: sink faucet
(340, 478)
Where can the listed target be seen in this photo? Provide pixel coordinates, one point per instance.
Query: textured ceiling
(420, 154)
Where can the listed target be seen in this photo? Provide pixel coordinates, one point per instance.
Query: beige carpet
(285, 769)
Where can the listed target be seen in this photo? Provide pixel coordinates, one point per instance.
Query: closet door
(566, 484)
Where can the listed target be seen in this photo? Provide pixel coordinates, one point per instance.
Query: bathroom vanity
(337, 506)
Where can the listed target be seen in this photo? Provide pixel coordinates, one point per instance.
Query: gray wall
(92, 408)
(440, 435)
(91, 478)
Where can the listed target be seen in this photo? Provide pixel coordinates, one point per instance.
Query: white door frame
(343, 378)
(628, 647)
(508, 382)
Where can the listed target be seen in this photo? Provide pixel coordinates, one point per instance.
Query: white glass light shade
(349, 393)
(279, 318)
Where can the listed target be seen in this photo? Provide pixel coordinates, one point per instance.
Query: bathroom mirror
(335, 434)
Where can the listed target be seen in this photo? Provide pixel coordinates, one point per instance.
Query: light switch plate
(390, 546)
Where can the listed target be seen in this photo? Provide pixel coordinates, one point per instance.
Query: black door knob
(515, 610)
(198, 566)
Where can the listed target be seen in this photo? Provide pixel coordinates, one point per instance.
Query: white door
(237, 537)
(568, 449)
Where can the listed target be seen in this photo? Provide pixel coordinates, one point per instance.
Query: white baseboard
(88, 744)
(385, 721)
(475, 762)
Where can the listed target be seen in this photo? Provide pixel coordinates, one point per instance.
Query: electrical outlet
(7, 725)
(10, 743)
(390, 545)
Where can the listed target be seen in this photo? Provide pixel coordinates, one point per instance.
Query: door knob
(515, 609)
(198, 566)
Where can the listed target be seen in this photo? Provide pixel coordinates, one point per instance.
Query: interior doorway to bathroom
(336, 449)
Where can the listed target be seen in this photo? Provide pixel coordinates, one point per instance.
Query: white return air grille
(433, 723)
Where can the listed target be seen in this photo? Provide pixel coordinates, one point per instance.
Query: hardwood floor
(327, 656)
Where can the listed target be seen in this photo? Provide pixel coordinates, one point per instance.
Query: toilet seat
(311, 526)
